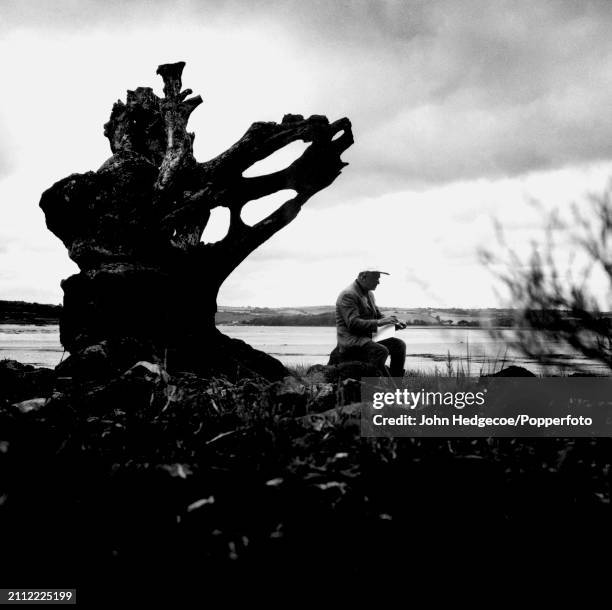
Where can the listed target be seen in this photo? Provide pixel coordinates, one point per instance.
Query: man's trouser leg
(376, 354)
(397, 349)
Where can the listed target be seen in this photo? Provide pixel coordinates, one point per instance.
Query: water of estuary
(472, 350)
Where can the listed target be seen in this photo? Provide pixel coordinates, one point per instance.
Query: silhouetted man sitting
(357, 318)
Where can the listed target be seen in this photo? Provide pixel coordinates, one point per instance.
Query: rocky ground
(183, 481)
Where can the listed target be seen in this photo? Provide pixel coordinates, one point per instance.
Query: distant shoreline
(39, 314)
(28, 322)
(21, 312)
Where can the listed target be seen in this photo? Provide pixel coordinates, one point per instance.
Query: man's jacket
(356, 315)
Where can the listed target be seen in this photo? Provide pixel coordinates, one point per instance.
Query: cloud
(7, 241)
(5, 166)
(79, 14)
(6, 163)
(438, 91)
(479, 89)
(503, 94)
(411, 276)
(457, 107)
(265, 254)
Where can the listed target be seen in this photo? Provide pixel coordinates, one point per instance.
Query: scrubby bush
(561, 305)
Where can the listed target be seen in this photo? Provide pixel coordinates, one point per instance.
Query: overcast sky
(463, 112)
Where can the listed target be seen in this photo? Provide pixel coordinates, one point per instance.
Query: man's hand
(399, 325)
(388, 320)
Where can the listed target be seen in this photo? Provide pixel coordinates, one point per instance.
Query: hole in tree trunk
(218, 225)
(338, 135)
(277, 160)
(258, 209)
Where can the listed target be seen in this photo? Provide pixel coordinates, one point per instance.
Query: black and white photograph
(301, 293)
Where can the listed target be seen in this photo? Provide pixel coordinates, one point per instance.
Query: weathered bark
(134, 227)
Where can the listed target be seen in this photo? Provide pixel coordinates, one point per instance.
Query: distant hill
(324, 315)
(20, 312)
(316, 319)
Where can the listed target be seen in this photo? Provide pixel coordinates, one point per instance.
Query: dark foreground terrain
(169, 485)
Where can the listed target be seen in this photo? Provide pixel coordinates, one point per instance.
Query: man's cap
(371, 270)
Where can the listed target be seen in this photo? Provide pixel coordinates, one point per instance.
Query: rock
(291, 385)
(325, 389)
(339, 368)
(316, 370)
(34, 404)
(107, 359)
(148, 371)
(91, 362)
(512, 371)
(324, 398)
(345, 370)
(20, 381)
(14, 366)
(345, 415)
(349, 391)
(289, 394)
(355, 370)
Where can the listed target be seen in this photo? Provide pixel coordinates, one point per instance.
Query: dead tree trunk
(147, 286)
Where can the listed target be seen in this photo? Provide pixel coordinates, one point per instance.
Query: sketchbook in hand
(384, 332)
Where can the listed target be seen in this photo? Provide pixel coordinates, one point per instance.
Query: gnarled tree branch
(176, 110)
(316, 168)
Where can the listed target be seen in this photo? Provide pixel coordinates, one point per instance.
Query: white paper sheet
(384, 332)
